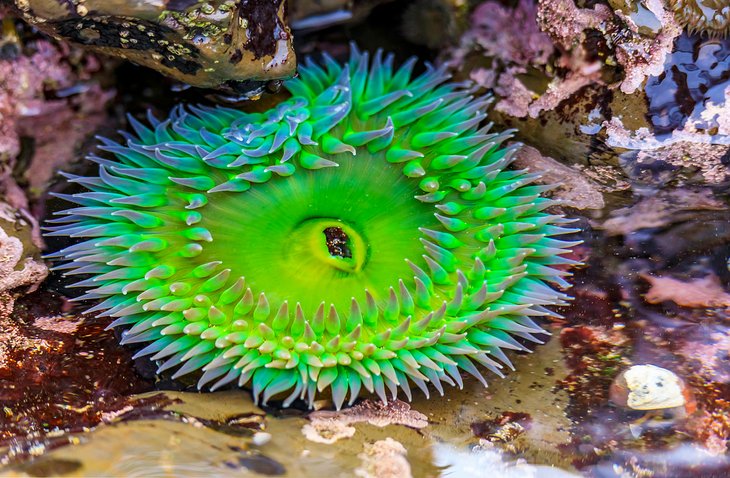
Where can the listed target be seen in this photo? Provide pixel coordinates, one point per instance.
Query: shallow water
(185, 443)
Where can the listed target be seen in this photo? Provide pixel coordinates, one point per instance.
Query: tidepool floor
(225, 434)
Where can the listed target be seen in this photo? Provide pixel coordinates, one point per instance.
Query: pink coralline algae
(22, 81)
(510, 34)
(517, 46)
(565, 22)
(511, 37)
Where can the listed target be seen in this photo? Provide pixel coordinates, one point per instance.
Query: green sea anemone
(363, 233)
(710, 17)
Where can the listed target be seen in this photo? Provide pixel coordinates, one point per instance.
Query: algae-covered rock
(618, 89)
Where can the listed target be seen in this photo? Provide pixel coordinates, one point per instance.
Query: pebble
(648, 387)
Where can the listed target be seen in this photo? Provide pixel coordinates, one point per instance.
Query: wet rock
(667, 235)
(626, 97)
(542, 86)
(311, 14)
(690, 93)
(672, 162)
(157, 408)
(701, 352)
(511, 39)
(647, 37)
(683, 229)
(247, 424)
(706, 234)
(595, 305)
(637, 45)
(434, 23)
(160, 433)
(49, 467)
(258, 463)
(231, 44)
(682, 133)
(595, 355)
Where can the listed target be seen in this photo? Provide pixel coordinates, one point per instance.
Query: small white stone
(261, 438)
(653, 388)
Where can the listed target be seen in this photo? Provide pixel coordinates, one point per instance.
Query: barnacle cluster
(366, 232)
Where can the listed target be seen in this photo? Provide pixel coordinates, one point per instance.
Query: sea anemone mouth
(365, 232)
(340, 244)
(334, 243)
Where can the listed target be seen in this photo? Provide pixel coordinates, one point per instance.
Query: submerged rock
(701, 292)
(384, 459)
(572, 187)
(329, 426)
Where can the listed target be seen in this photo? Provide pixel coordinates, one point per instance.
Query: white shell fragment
(652, 388)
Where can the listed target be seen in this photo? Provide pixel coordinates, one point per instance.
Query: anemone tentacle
(707, 17)
(363, 234)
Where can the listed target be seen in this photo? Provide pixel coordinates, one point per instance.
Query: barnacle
(363, 233)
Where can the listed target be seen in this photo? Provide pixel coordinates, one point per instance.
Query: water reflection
(487, 460)
(679, 461)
